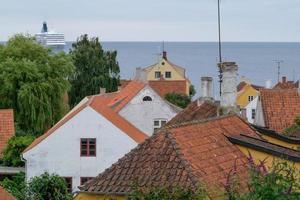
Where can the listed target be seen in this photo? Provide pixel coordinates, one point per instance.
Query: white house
(251, 110)
(96, 133)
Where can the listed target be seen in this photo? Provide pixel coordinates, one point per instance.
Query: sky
(155, 20)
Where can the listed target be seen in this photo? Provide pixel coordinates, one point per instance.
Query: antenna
(220, 47)
(278, 62)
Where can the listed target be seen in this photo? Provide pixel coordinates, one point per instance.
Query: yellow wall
(175, 75)
(85, 196)
(260, 156)
(280, 142)
(242, 98)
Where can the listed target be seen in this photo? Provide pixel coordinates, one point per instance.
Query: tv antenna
(278, 62)
(220, 47)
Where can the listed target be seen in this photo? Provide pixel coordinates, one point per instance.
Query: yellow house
(167, 71)
(246, 93)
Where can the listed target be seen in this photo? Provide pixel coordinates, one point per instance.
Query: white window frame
(250, 98)
(161, 122)
(156, 72)
(168, 72)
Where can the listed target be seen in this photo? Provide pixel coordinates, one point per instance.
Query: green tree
(180, 100)
(46, 187)
(13, 150)
(16, 186)
(34, 82)
(294, 127)
(192, 91)
(95, 68)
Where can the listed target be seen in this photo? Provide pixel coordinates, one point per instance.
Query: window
(250, 98)
(83, 180)
(158, 123)
(69, 183)
(147, 98)
(88, 147)
(157, 74)
(253, 113)
(168, 75)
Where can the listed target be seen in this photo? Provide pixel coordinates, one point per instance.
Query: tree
(95, 68)
(192, 91)
(48, 186)
(180, 100)
(293, 128)
(33, 82)
(16, 186)
(13, 150)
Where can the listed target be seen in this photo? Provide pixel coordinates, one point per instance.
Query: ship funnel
(45, 28)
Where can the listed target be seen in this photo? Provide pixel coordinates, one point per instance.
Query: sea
(256, 60)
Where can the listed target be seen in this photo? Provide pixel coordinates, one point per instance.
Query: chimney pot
(207, 87)
(165, 55)
(284, 79)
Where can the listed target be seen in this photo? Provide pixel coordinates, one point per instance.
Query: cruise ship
(55, 41)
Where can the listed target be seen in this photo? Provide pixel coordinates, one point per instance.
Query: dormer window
(157, 74)
(147, 98)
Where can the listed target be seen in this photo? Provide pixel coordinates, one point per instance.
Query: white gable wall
(59, 153)
(251, 105)
(259, 117)
(142, 113)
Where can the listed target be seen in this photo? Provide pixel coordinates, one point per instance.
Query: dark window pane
(156, 123)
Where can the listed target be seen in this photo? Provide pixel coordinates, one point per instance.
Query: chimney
(284, 79)
(165, 55)
(207, 87)
(229, 83)
(102, 90)
(140, 74)
(268, 84)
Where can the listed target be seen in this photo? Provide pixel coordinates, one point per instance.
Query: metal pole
(220, 48)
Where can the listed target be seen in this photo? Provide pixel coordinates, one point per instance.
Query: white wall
(259, 117)
(60, 152)
(251, 105)
(142, 113)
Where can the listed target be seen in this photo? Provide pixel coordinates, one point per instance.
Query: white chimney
(102, 90)
(207, 87)
(229, 72)
(140, 74)
(268, 84)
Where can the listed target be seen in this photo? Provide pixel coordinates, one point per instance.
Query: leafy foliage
(33, 82)
(180, 100)
(48, 186)
(13, 150)
(16, 186)
(294, 127)
(177, 193)
(192, 91)
(95, 68)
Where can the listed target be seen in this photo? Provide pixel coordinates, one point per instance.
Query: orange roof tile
(100, 104)
(284, 84)
(186, 155)
(162, 86)
(280, 107)
(4, 195)
(7, 128)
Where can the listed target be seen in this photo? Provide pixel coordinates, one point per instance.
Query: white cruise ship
(55, 41)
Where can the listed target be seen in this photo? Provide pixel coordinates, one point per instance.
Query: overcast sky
(155, 20)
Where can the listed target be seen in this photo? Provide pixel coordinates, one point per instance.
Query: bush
(16, 186)
(13, 150)
(294, 127)
(180, 100)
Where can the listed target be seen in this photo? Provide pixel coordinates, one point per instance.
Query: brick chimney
(207, 87)
(229, 71)
(165, 55)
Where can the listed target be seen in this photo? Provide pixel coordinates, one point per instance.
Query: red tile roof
(102, 104)
(7, 128)
(187, 155)
(284, 84)
(196, 110)
(280, 107)
(162, 86)
(4, 195)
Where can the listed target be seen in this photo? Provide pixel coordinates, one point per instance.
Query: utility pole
(278, 62)
(220, 47)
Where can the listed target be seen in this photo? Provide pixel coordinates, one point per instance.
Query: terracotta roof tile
(197, 110)
(4, 195)
(280, 107)
(184, 155)
(286, 85)
(162, 86)
(7, 128)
